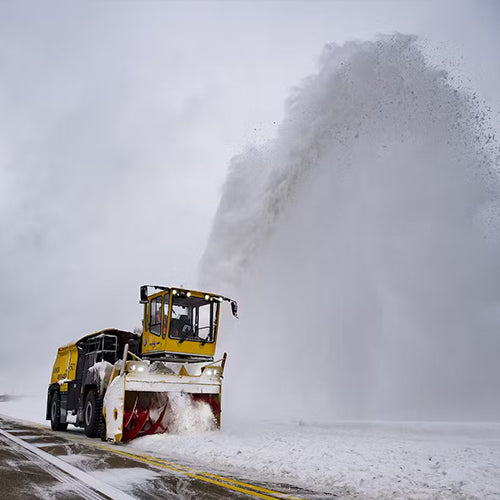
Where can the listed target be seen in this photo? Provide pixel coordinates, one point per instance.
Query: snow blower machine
(120, 385)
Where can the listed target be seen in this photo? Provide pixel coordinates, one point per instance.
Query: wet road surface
(90, 469)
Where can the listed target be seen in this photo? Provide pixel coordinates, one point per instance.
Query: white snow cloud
(117, 125)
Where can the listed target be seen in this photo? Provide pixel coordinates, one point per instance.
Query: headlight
(133, 366)
(212, 372)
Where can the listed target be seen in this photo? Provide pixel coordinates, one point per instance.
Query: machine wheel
(93, 420)
(92, 415)
(55, 413)
(102, 426)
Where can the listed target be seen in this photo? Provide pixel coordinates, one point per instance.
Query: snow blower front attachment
(149, 397)
(164, 380)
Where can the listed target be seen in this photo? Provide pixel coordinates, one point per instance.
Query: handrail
(125, 352)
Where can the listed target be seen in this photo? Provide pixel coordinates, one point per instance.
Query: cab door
(156, 321)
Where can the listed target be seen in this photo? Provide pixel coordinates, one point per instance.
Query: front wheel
(93, 419)
(55, 413)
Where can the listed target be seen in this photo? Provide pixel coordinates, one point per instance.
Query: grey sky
(117, 122)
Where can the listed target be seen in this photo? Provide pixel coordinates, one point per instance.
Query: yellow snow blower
(121, 385)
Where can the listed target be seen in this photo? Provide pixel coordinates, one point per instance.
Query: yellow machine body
(65, 364)
(130, 385)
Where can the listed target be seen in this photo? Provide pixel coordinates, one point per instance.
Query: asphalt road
(37, 463)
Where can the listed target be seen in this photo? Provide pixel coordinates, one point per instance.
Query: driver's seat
(185, 326)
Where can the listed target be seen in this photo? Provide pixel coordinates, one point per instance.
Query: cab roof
(123, 334)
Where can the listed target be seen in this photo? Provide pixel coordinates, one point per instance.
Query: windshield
(193, 319)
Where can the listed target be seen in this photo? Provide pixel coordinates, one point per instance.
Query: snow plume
(362, 246)
(186, 415)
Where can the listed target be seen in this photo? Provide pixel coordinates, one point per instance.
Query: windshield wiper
(184, 334)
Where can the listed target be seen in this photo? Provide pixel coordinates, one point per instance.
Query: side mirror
(234, 308)
(144, 294)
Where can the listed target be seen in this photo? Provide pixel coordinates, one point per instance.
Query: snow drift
(362, 244)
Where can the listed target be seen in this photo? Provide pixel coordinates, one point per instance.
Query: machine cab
(180, 323)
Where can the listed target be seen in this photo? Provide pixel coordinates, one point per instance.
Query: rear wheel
(92, 414)
(55, 413)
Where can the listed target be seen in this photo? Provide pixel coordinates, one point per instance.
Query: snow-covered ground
(376, 460)
(29, 408)
(367, 460)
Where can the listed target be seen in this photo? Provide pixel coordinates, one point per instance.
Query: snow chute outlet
(120, 385)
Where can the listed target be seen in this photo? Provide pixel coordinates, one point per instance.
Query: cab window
(193, 319)
(206, 321)
(155, 316)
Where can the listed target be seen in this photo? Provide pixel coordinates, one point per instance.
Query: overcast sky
(117, 123)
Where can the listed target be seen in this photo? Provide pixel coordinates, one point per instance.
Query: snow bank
(379, 460)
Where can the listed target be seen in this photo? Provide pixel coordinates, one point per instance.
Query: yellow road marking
(225, 482)
(227, 485)
(222, 478)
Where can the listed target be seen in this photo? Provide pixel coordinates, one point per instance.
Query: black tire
(102, 426)
(93, 420)
(55, 413)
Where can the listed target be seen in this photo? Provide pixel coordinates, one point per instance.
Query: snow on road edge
(376, 460)
(379, 460)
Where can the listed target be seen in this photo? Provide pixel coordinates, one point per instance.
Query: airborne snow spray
(362, 244)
